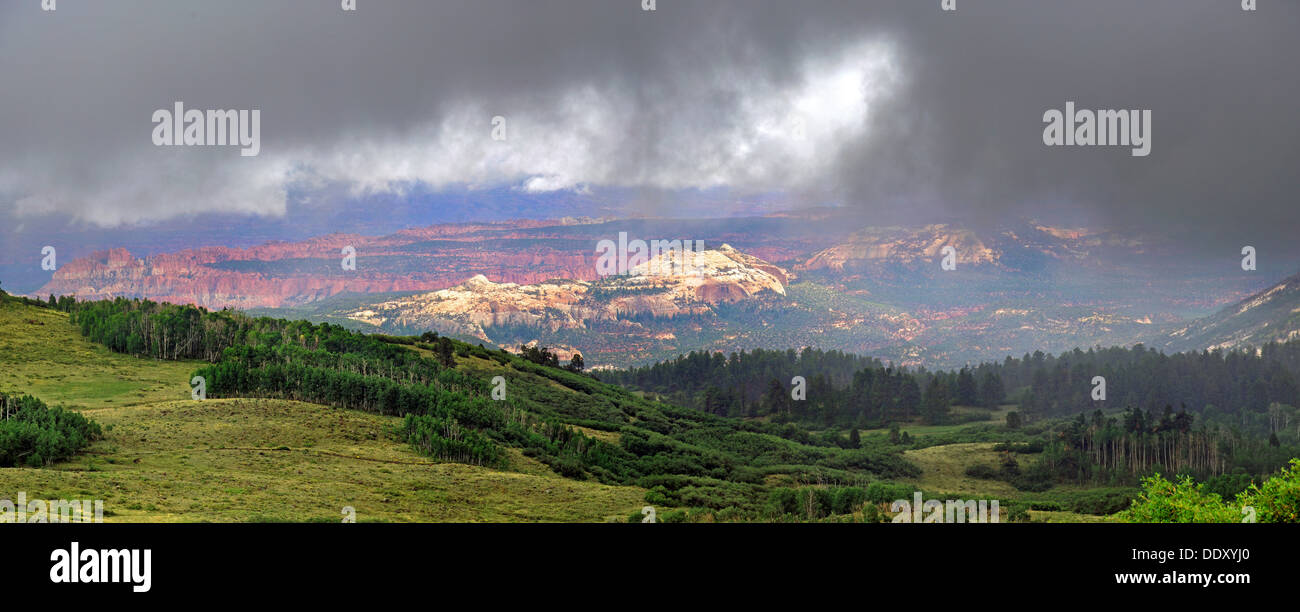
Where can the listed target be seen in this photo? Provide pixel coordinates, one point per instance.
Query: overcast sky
(894, 108)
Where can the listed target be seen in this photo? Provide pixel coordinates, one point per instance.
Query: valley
(810, 280)
(254, 456)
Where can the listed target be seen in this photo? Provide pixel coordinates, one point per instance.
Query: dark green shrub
(657, 496)
(885, 492)
(847, 499)
(36, 435)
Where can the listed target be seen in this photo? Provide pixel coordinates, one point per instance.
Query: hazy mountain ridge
(1022, 247)
(1272, 315)
(876, 291)
(279, 274)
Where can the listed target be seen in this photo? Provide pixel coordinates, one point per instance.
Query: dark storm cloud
(895, 108)
(1220, 82)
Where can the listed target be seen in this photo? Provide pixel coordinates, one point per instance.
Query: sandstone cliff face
(282, 274)
(720, 275)
(709, 277)
(172, 278)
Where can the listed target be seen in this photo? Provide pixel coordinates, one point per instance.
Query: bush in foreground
(35, 435)
(1185, 501)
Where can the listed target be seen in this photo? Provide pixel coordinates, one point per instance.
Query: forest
(1236, 415)
(1123, 449)
(1243, 387)
(1253, 391)
(842, 390)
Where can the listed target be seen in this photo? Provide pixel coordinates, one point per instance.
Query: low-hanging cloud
(893, 107)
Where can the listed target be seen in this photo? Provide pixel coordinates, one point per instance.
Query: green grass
(273, 460)
(166, 458)
(997, 417)
(41, 353)
(1043, 516)
(943, 468)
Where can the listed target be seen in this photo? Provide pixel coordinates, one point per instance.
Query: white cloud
(770, 137)
(739, 130)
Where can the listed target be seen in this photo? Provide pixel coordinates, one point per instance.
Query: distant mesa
(720, 275)
(894, 245)
(286, 274)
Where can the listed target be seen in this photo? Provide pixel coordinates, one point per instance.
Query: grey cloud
(604, 93)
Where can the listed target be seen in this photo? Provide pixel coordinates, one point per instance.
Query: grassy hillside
(566, 446)
(559, 433)
(42, 354)
(943, 469)
(166, 458)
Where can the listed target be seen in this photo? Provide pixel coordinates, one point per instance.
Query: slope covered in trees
(582, 428)
(1236, 418)
(166, 458)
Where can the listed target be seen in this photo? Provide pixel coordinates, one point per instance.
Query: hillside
(166, 458)
(569, 448)
(1272, 315)
(556, 446)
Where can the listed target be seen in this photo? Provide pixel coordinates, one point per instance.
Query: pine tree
(991, 392)
(575, 363)
(934, 408)
(776, 397)
(446, 353)
(909, 398)
(967, 394)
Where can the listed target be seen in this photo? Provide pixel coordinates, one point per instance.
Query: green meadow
(167, 458)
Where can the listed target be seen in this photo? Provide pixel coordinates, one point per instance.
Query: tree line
(1235, 386)
(840, 389)
(1121, 449)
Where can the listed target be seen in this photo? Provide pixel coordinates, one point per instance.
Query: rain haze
(899, 110)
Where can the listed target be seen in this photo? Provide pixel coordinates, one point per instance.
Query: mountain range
(773, 281)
